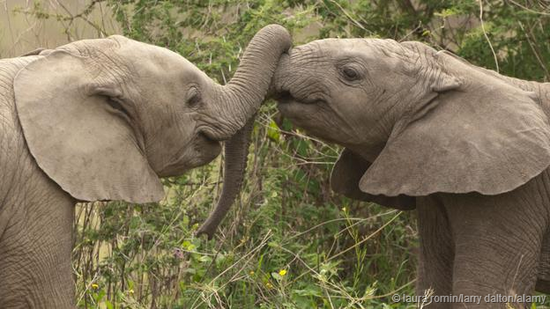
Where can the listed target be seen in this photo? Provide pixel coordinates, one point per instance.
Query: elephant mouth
(204, 136)
(200, 151)
(283, 97)
(296, 108)
(285, 100)
(207, 148)
(215, 130)
(287, 96)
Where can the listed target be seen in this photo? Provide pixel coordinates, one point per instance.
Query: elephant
(465, 147)
(104, 119)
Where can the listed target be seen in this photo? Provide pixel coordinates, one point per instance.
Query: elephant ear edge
(487, 137)
(74, 135)
(346, 175)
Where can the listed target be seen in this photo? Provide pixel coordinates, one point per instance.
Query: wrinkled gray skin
(467, 148)
(103, 120)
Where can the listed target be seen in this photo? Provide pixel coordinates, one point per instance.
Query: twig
(486, 36)
(348, 15)
(528, 9)
(534, 50)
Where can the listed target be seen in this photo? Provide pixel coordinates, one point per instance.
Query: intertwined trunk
(239, 101)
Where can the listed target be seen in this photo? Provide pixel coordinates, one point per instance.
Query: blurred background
(26, 25)
(290, 242)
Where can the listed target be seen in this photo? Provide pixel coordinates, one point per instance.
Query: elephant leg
(498, 241)
(35, 248)
(543, 277)
(435, 267)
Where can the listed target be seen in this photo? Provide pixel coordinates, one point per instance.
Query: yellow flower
(282, 272)
(344, 209)
(252, 273)
(95, 286)
(269, 285)
(131, 291)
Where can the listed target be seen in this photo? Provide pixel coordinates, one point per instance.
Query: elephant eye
(116, 104)
(193, 97)
(350, 74)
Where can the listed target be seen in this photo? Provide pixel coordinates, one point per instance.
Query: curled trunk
(238, 101)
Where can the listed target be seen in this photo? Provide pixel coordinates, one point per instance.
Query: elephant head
(413, 121)
(106, 118)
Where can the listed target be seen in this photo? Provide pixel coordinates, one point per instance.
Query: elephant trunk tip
(207, 229)
(280, 75)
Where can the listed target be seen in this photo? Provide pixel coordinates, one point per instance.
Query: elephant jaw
(200, 151)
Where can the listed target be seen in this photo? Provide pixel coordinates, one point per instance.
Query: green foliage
(290, 242)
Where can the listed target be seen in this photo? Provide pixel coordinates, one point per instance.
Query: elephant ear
(347, 173)
(485, 136)
(75, 134)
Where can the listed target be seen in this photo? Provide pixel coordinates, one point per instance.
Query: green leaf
(273, 132)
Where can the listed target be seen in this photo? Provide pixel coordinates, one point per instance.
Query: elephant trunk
(239, 101)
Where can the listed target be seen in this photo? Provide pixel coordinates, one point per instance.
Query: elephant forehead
(156, 62)
(330, 47)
